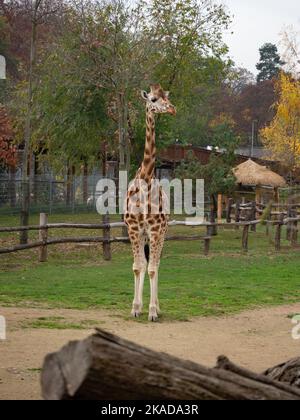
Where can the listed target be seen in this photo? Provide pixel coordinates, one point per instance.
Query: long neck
(148, 165)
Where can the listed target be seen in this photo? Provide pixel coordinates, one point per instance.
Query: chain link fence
(49, 195)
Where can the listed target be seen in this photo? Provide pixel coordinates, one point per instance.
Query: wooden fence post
(206, 246)
(43, 236)
(228, 210)
(253, 216)
(268, 226)
(289, 225)
(278, 233)
(237, 213)
(213, 230)
(245, 238)
(294, 232)
(106, 237)
(220, 208)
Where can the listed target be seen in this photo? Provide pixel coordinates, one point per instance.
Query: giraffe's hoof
(153, 318)
(136, 313)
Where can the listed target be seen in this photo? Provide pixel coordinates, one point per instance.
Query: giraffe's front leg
(154, 306)
(139, 278)
(139, 270)
(156, 247)
(136, 307)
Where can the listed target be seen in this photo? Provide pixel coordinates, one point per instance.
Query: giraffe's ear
(144, 95)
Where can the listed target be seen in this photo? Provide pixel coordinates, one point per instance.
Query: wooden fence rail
(109, 225)
(62, 226)
(107, 238)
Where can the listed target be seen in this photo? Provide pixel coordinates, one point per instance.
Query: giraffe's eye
(154, 100)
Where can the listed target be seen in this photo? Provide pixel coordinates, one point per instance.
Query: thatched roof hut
(251, 173)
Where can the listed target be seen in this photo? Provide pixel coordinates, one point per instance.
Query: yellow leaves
(282, 137)
(296, 146)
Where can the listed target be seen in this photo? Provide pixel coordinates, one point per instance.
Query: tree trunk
(105, 367)
(27, 132)
(123, 149)
(70, 186)
(35, 188)
(124, 152)
(73, 187)
(12, 187)
(85, 183)
(104, 159)
(24, 217)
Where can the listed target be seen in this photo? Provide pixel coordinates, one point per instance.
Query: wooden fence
(107, 238)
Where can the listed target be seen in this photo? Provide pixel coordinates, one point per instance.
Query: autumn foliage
(282, 136)
(7, 150)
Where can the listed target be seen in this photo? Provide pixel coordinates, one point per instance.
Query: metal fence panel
(49, 195)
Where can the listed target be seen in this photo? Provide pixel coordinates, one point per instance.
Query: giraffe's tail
(147, 252)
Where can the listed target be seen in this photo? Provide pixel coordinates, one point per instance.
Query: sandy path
(255, 339)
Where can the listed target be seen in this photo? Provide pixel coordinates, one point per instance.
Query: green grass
(34, 370)
(58, 323)
(190, 285)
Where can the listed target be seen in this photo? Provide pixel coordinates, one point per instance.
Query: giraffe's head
(158, 101)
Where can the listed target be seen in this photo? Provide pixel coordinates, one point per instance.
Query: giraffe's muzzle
(172, 110)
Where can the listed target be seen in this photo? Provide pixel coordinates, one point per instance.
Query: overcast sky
(256, 22)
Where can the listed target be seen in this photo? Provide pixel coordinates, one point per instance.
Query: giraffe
(148, 225)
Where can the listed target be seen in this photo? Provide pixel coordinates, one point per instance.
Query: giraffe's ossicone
(145, 213)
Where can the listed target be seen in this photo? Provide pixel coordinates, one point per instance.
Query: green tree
(88, 79)
(113, 50)
(270, 62)
(192, 64)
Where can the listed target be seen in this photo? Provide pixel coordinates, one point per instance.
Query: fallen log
(106, 367)
(288, 373)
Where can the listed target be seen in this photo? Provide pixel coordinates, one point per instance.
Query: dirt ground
(255, 339)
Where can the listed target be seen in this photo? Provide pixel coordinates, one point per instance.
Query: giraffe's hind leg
(139, 270)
